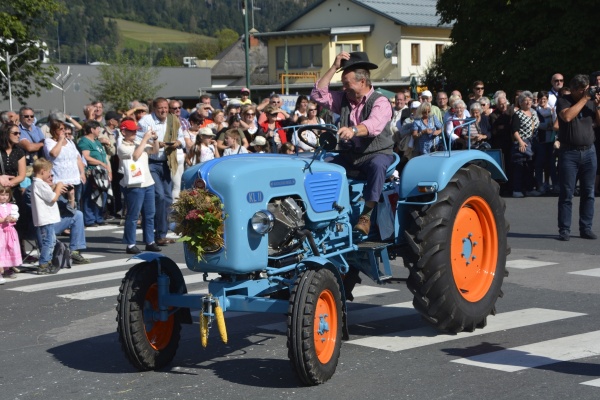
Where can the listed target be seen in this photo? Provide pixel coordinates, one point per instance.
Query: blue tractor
(289, 248)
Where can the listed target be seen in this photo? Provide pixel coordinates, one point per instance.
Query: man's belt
(575, 148)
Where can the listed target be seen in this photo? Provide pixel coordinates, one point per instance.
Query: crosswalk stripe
(538, 354)
(595, 382)
(106, 227)
(362, 316)
(81, 281)
(113, 291)
(412, 338)
(588, 272)
(82, 268)
(526, 264)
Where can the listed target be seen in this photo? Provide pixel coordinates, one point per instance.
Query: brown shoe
(364, 224)
(162, 242)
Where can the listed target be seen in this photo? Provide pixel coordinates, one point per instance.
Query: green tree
(20, 22)
(125, 81)
(226, 37)
(513, 45)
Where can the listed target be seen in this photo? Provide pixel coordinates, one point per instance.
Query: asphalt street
(59, 341)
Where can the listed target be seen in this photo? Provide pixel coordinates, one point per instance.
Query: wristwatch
(355, 130)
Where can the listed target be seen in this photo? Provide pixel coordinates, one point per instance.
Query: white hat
(426, 93)
(415, 104)
(206, 131)
(259, 141)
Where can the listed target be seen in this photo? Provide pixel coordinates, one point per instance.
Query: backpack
(61, 257)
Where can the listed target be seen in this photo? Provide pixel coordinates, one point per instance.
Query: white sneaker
(2, 280)
(518, 195)
(533, 193)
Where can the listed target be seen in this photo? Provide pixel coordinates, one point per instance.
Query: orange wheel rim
(159, 335)
(474, 249)
(325, 326)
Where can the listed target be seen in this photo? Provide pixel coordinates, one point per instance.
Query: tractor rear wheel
(314, 333)
(148, 343)
(459, 247)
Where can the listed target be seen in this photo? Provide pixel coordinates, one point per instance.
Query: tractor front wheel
(314, 330)
(148, 342)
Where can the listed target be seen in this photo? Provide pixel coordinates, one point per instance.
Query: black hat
(358, 59)
(113, 115)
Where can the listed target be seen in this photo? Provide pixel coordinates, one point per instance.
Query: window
(300, 57)
(439, 49)
(348, 47)
(415, 54)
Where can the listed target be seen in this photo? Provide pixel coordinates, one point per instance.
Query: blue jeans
(573, 164)
(544, 162)
(75, 224)
(163, 188)
(47, 240)
(372, 170)
(92, 214)
(139, 199)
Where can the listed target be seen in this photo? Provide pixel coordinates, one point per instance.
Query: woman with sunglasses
(248, 123)
(13, 157)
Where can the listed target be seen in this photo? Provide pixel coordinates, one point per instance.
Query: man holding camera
(577, 113)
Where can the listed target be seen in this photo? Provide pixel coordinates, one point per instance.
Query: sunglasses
(273, 115)
(174, 108)
(559, 80)
(312, 109)
(27, 116)
(479, 88)
(16, 133)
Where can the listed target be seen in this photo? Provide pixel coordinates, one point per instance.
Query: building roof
(407, 12)
(402, 12)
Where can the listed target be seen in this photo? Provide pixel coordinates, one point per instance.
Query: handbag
(132, 173)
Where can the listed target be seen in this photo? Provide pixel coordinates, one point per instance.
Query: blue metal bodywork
(331, 204)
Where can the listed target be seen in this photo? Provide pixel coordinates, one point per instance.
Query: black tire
(314, 355)
(459, 247)
(151, 345)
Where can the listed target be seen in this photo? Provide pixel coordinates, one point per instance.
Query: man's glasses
(559, 80)
(27, 116)
(479, 88)
(312, 109)
(174, 108)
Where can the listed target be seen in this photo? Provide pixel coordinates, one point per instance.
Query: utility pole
(247, 42)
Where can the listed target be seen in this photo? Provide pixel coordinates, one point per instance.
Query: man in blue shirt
(32, 137)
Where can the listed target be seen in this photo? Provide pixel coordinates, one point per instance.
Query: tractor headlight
(262, 222)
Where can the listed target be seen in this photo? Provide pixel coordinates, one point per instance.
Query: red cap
(129, 125)
(245, 90)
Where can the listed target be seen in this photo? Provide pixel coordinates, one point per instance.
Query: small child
(10, 255)
(234, 143)
(204, 148)
(260, 145)
(44, 210)
(287, 148)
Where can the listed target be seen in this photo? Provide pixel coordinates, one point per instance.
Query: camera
(69, 187)
(238, 117)
(593, 91)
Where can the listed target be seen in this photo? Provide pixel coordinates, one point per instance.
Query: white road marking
(413, 338)
(588, 272)
(538, 354)
(113, 291)
(526, 264)
(595, 382)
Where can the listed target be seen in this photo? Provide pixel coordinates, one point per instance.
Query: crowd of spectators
(83, 164)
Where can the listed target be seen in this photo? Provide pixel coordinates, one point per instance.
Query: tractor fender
(320, 262)
(439, 167)
(177, 283)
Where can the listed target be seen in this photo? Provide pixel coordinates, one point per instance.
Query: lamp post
(64, 84)
(9, 59)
